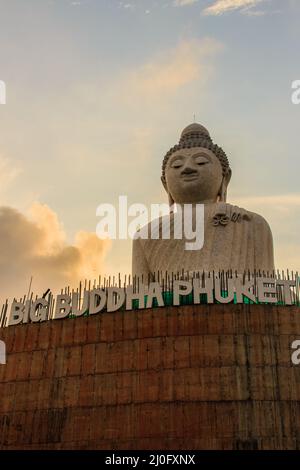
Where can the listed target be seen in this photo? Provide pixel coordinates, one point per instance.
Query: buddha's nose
(188, 170)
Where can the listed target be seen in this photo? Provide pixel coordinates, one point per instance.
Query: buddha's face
(193, 175)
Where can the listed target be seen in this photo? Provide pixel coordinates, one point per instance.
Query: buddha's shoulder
(246, 215)
(260, 222)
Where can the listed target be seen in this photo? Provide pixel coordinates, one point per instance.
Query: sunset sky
(99, 90)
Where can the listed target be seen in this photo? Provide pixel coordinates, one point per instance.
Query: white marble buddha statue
(196, 171)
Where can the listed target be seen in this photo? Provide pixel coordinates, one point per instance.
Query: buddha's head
(195, 170)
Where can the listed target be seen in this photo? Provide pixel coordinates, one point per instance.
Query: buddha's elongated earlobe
(223, 192)
(171, 201)
(222, 196)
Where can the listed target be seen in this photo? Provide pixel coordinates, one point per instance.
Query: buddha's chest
(218, 247)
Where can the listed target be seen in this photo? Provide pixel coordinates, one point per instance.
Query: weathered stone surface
(196, 171)
(193, 377)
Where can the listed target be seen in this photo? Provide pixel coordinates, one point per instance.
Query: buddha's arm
(264, 252)
(139, 262)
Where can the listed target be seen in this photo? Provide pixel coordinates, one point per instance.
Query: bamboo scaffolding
(166, 281)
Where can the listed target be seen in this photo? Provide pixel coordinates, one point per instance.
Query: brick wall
(192, 377)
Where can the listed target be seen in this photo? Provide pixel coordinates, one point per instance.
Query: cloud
(126, 5)
(8, 173)
(251, 12)
(183, 3)
(105, 136)
(220, 7)
(171, 70)
(35, 245)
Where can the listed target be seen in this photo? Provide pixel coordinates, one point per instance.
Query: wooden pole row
(166, 282)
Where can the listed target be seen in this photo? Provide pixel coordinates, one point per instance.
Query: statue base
(188, 377)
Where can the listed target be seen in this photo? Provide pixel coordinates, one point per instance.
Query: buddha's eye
(201, 160)
(176, 164)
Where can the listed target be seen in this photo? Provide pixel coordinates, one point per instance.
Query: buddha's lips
(189, 176)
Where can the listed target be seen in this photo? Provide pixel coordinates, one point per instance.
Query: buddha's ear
(224, 185)
(171, 201)
(162, 179)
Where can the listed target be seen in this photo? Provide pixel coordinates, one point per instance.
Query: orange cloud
(222, 6)
(183, 3)
(171, 70)
(36, 246)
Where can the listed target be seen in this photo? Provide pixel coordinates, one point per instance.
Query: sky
(99, 90)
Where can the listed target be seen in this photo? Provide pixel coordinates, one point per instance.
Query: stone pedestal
(191, 377)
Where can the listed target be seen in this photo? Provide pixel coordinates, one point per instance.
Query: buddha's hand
(225, 213)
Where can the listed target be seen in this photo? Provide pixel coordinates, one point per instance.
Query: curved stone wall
(190, 377)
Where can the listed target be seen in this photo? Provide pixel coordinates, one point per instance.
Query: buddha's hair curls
(196, 135)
